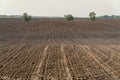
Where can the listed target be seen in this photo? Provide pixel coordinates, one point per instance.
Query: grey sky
(60, 7)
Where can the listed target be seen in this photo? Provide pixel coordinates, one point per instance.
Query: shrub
(26, 17)
(69, 17)
(92, 16)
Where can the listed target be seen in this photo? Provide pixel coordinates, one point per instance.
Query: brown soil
(55, 49)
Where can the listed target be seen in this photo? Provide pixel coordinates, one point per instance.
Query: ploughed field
(55, 49)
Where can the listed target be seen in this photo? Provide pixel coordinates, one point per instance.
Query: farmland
(55, 49)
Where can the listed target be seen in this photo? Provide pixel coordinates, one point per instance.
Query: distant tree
(69, 17)
(113, 16)
(4, 16)
(92, 16)
(26, 17)
(105, 16)
(29, 18)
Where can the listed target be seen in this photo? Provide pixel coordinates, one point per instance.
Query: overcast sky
(79, 8)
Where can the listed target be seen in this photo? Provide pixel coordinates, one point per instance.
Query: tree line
(109, 16)
(68, 17)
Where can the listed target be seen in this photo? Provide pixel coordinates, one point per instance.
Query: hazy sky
(60, 7)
